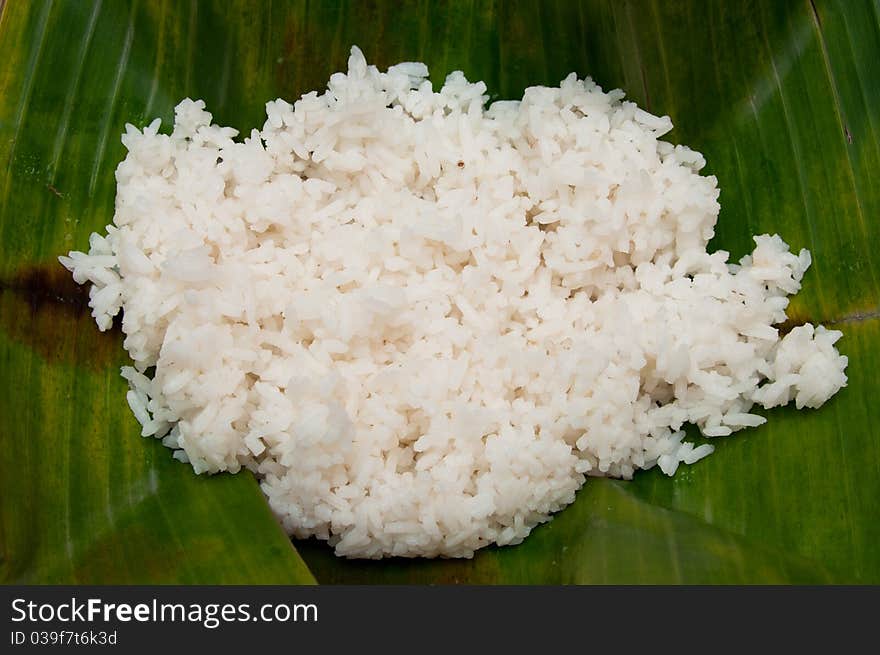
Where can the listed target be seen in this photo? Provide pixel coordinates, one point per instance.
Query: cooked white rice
(421, 321)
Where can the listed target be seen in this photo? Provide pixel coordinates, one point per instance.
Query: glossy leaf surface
(783, 98)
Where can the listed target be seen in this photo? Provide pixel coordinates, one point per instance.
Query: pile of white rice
(422, 321)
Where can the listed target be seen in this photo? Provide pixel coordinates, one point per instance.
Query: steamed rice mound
(422, 320)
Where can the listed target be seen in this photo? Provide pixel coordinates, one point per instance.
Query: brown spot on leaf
(48, 283)
(42, 307)
(794, 320)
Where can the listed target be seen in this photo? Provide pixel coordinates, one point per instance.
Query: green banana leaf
(783, 98)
